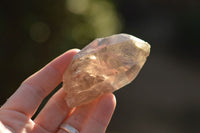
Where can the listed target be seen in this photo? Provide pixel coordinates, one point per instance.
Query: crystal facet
(105, 65)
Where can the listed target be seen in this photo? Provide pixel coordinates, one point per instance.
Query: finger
(54, 112)
(33, 90)
(101, 115)
(79, 117)
(94, 117)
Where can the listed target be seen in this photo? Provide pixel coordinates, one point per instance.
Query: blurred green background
(164, 98)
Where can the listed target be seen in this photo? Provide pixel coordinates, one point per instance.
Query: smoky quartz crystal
(105, 65)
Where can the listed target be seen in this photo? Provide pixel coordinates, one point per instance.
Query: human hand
(16, 113)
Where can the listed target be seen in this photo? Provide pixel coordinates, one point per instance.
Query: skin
(16, 113)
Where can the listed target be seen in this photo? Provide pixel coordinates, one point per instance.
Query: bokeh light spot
(77, 6)
(40, 32)
(107, 21)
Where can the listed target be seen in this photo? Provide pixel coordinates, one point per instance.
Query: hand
(16, 113)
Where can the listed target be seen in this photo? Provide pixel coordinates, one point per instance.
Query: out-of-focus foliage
(93, 18)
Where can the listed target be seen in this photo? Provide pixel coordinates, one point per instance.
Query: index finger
(35, 88)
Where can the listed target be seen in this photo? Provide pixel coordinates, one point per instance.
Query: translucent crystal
(105, 65)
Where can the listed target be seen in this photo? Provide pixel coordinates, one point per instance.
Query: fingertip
(75, 49)
(61, 63)
(109, 99)
(101, 114)
(107, 102)
(69, 54)
(72, 51)
(104, 108)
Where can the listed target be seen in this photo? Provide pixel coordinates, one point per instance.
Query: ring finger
(93, 117)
